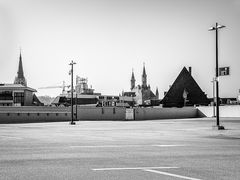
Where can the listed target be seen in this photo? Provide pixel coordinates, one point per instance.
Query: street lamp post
(71, 64)
(213, 81)
(215, 28)
(76, 102)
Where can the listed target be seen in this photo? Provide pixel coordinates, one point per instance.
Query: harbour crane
(63, 86)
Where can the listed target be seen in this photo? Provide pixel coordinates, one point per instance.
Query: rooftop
(4, 86)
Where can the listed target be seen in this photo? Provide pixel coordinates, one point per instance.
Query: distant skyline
(109, 38)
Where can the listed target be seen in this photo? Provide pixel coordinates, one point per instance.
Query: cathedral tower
(133, 81)
(144, 77)
(20, 79)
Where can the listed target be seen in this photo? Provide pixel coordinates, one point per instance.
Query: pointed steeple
(20, 67)
(144, 71)
(157, 93)
(144, 77)
(133, 77)
(133, 80)
(20, 79)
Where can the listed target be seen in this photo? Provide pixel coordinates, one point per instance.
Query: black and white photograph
(119, 89)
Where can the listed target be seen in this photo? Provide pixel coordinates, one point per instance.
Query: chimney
(190, 70)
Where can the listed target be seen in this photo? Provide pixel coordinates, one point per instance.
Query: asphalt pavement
(121, 150)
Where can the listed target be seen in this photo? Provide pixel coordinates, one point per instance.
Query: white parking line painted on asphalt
(168, 145)
(9, 137)
(134, 168)
(107, 146)
(149, 169)
(193, 129)
(170, 174)
(127, 146)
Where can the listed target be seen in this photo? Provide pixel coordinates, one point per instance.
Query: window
(19, 98)
(101, 97)
(116, 97)
(6, 95)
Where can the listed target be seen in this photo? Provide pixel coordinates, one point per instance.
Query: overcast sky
(107, 38)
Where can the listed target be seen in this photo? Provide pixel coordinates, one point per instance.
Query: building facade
(142, 94)
(18, 94)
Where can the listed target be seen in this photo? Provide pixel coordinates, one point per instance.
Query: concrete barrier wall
(165, 113)
(111, 113)
(224, 111)
(52, 114)
(29, 114)
(100, 113)
(33, 117)
(33, 109)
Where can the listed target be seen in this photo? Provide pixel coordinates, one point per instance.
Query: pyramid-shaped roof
(184, 87)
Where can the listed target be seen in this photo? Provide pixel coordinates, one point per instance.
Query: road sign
(224, 71)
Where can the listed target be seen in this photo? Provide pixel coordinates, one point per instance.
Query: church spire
(157, 93)
(144, 77)
(20, 67)
(133, 80)
(144, 71)
(20, 79)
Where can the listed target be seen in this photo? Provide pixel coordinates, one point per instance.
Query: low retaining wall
(53, 114)
(33, 109)
(30, 114)
(224, 111)
(34, 117)
(100, 113)
(165, 113)
(114, 113)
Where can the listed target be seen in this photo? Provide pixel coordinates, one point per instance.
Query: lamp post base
(72, 123)
(218, 127)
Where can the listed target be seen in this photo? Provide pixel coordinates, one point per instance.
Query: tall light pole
(215, 28)
(76, 102)
(213, 82)
(71, 64)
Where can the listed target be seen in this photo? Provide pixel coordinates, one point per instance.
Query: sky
(109, 38)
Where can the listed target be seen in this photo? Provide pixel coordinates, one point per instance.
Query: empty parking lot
(159, 149)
